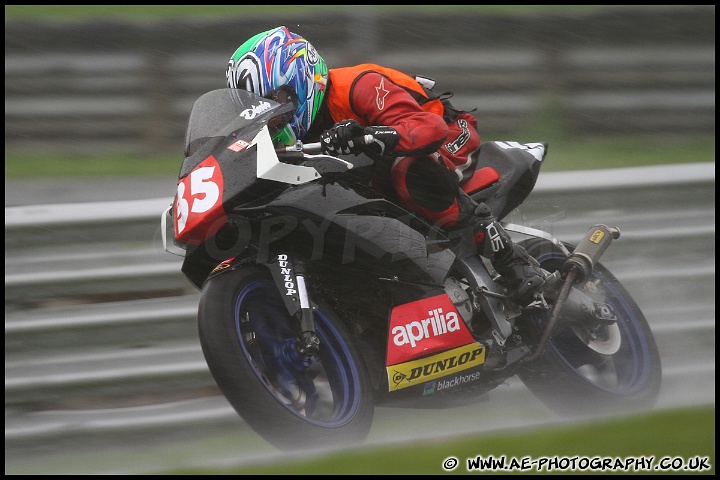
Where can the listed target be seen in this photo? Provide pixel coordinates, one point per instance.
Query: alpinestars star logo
(381, 93)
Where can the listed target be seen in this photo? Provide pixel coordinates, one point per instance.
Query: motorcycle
(322, 298)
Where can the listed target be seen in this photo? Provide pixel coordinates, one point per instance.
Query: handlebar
(316, 147)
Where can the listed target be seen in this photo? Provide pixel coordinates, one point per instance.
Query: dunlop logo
(420, 371)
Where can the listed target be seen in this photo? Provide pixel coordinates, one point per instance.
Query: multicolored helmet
(283, 66)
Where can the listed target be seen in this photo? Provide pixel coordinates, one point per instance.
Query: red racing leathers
(432, 158)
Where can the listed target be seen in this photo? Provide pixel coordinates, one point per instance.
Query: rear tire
(247, 337)
(598, 370)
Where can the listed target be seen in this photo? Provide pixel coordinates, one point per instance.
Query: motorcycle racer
(425, 150)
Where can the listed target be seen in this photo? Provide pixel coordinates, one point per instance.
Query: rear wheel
(597, 368)
(249, 342)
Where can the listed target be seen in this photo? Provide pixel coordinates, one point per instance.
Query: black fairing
(338, 222)
(331, 225)
(518, 169)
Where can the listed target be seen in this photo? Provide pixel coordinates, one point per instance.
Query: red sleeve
(378, 101)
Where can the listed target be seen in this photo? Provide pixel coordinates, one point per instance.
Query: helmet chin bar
(270, 168)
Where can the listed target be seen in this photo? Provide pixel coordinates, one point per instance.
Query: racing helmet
(282, 66)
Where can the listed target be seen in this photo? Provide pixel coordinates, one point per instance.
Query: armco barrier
(105, 85)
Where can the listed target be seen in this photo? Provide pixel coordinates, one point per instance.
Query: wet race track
(665, 258)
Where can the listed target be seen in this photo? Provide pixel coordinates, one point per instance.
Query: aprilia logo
(435, 324)
(423, 327)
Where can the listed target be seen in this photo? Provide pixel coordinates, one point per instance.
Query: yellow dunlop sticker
(596, 236)
(419, 371)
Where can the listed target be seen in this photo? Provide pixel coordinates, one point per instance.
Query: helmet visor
(282, 95)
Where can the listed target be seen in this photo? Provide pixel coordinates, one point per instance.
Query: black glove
(344, 137)
(349, 136)
(384, 139)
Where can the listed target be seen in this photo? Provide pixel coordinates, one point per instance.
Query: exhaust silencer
(589, 250)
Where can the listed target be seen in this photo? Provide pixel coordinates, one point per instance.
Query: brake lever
(316, 147)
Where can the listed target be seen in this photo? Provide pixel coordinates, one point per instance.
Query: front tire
(248, 339)
(593, 369)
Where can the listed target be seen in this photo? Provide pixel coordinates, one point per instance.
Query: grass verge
(683, 438)
(563, 154)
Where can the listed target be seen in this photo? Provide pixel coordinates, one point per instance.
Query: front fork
(290, 279)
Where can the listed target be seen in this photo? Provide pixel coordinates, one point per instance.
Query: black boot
(519, 272)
